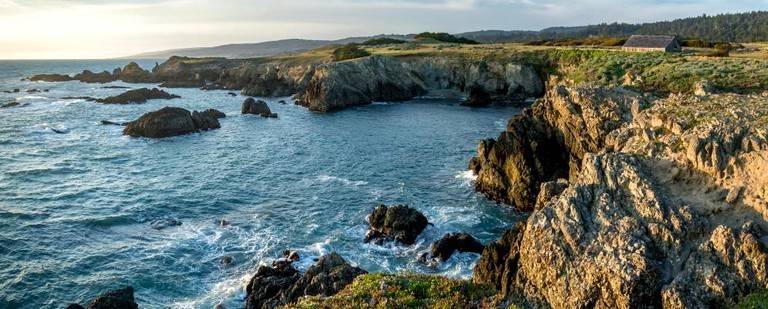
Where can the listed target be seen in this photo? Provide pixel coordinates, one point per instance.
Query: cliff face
(667, 209)
(548, 141)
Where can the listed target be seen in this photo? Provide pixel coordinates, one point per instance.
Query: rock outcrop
(117, 299)
(444, 248)
(548, 141)
(281, 284)
(51, 78)
(255, 107)
(133, 73)
(172, 121)
(138, 96)
(398, 223)
(665, 210)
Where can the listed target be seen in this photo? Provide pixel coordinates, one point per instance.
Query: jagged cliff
(663, 206)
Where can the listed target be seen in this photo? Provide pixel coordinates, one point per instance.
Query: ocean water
(76, 209)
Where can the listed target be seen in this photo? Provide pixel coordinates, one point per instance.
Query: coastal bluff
(324, 85)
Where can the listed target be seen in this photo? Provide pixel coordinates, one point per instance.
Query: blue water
(75, 208)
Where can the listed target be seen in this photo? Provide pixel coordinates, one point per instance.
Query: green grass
(403, 291)
(754, 301)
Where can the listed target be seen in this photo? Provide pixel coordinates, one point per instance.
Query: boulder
(171, 121)
(399, 223)
(255, 107)
(282, 284)
(137, 96)
(444, 248)
(478, 97)
(116, 299)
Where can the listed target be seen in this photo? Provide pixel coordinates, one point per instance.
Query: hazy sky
(97, 29)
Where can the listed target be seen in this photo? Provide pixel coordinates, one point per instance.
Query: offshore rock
(444, 248)
(171, 121)
(255, 107)
(281, 284)
(548, 141)
(51, 78)
(399, 223)
(133, 73)
(138, 96)
(90, 77)
(117, 299)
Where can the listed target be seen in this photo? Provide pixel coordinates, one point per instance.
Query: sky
(92, 29)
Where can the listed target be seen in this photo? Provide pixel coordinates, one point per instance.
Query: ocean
(77, 209)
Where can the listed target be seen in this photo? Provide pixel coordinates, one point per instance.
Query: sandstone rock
(550, 190)
(171, 121)
(548, 141)
(399, 223)
(255, 107)
(444, 248)
(137, 96)
(281, 284)
(615, 238)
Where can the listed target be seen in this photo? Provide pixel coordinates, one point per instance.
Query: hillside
(742, 27)
(254, 50)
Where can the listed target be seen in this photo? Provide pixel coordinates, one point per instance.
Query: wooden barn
(651, 43)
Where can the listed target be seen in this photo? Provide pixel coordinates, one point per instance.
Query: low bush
(441, 37)
(349, 51)
(383, 41)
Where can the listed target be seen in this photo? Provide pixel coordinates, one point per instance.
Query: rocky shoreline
(634, 199)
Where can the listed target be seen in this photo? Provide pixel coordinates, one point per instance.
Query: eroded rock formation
(282, 284)
(667, 209)
(138, 96)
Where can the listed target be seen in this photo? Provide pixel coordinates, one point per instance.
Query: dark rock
(269, 287)
(116, 87)
(75, 306)
(270, 115)
(170, 121)
(164, 223)
(282, 102)
(462, 242)
(281, 284)
(478, 97)
(117, 299)
(226, 260)
(59, 131)
(399, 223)
(138, 96)
(90, 77)
(291, 255)
(232, 94)
(34, 91)
(51, 78)
(255, 107)
(497, 264)
(90, 99)
(326, 278)
(182, 84)
(214, 113)
(223, 222)
(112, 123)
(9, 104)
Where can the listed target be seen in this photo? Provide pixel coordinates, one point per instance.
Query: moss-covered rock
(404, 291)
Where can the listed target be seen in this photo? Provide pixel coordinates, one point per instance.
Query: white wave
(467, 177)
(31, 97)
(327, 178)
(68, 102)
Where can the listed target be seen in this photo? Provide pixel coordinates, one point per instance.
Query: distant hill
(741, 27)
(253, 50)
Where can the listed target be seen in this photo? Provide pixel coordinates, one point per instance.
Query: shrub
(696, 43)
(442, 37)
(754, 301)
(349, 51)
(383, 41)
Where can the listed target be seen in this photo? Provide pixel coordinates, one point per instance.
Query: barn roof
(650, 41)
